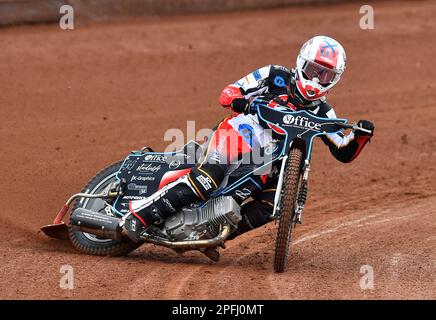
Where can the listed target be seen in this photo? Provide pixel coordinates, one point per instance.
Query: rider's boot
(162, 204)
(254, 215)
(212, 253)
(196, 186)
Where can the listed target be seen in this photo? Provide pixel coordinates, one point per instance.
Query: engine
(203, 222)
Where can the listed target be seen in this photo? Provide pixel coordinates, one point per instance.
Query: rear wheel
(92, 244)
(287, 208)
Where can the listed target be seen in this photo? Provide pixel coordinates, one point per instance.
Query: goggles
(313, 70)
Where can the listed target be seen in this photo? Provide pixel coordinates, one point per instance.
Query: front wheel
(287, 208)
(92, 244)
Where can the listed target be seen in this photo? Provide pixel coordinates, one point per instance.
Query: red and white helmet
(320, 64)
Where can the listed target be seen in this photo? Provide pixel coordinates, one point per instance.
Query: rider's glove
(240, 105)
(365, 124)
(251, 108)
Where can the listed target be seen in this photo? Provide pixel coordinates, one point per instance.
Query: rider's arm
(235, 96)
(344, 148)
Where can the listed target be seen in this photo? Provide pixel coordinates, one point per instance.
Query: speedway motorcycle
(96, 220)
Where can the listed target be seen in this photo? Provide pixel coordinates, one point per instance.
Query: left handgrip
(354, 127)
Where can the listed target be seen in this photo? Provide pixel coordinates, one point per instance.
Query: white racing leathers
(278, 83)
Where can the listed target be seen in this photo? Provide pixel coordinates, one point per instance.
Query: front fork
(302, 194)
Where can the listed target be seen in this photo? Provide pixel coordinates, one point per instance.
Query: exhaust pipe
(109, 227)
(96, 223)
(191, 244)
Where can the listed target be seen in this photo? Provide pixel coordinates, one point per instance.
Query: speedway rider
(319, 67)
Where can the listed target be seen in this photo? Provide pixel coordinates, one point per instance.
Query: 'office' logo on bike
(301, 122)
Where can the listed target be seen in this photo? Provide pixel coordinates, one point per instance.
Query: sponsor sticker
(148, 168)
(174, 164)
(133, 198)
(128, 165)
(243, 194)
(155, 158)
(143, 178)
(205, 182)
(301, 122)
(142, 189)
(280, 82)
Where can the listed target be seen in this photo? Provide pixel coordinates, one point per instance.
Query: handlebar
(354, 127)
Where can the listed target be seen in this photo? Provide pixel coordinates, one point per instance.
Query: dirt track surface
(73, 102)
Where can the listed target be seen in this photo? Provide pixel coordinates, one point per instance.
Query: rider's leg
(224, 147)
(257, 213)
(196, 186)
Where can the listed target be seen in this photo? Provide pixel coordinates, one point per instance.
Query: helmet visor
(313, 70)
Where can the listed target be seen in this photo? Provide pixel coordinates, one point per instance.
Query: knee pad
(206, 178)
